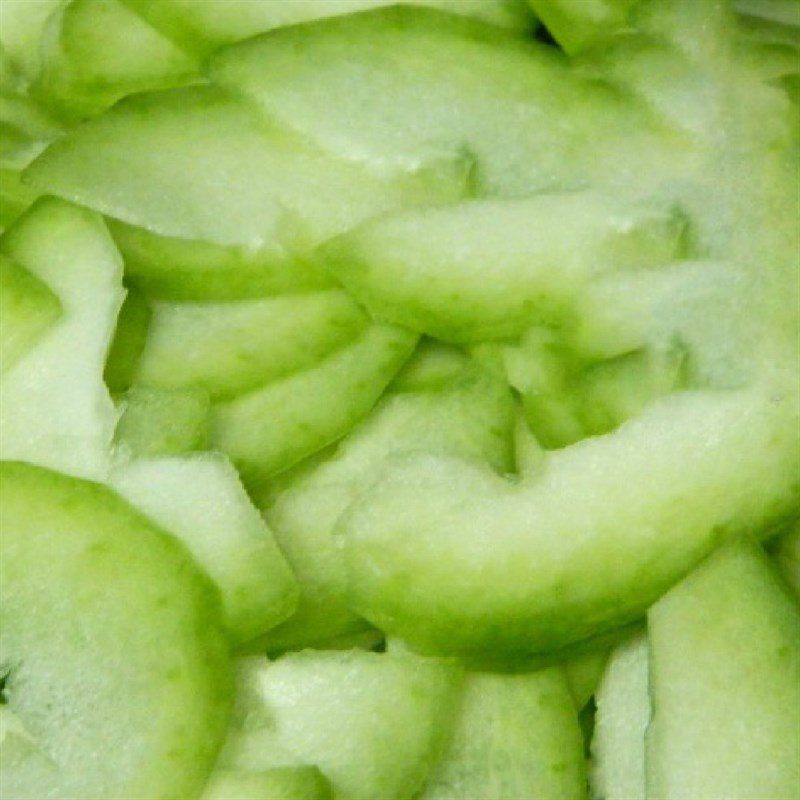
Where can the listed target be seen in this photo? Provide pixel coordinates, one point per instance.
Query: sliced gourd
(280, 783)
(163, 422)
(623, 714)
(200, 500)
(202, 28)
(699, 308)
(27, 310)
(515, 736)
(469, 415)
(196, 163)
(22, 28)
(114, 660)
(414, 84)
(492, 268)
(455, 560)
(725, 683)
(230, 348)
(98, 51)
(395, 709)
(170, 268)
(55, 409)
(272, 427)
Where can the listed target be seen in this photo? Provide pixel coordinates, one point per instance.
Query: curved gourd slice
(514, 736)
(55, 409)
(197, 164)
(205, 27)
(492, 268)
(97, 51)
(396, 710)
(455, 560)
(231, 348)
(22, 26)
(725, 683)
(171, 268)
(200, 500)
(116, 667)
(470, 415)
(27, 310)
(623, 714)
(274, 426)
(411, 84)
(162, 422)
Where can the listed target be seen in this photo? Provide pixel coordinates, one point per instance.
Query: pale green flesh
(623, 714)
(396, 710)
(280, 783)
(185, 269)
(273, 427)
(468, 415)
(27, 310)
(413, 83)
(607, 526)
(162, 422)
(489, 269)
(200, 500)
(195, 163)
(97, 51)
(82, 575)
(515, 736)
(231, 348)
(725, 683)
(21, 27)
(216, 22)
(54, 407)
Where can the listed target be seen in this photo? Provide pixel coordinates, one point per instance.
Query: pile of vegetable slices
(400, 402)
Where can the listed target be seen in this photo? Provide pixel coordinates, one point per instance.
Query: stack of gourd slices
(394, 403)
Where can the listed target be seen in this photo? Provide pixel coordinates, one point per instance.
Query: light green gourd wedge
(492, 268)
(183, 269)
(274, 426)
(199, 499)
(195, 163)
(455, 560)
(96, 52)
(415, 84)
(623, 714)
(162, 422)
(725, 683)
(116, 681)
(396, 709)
(27, 310)
(205, 27)
(55, 409)
(515, 736)
(464, 412)
(231, 348)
